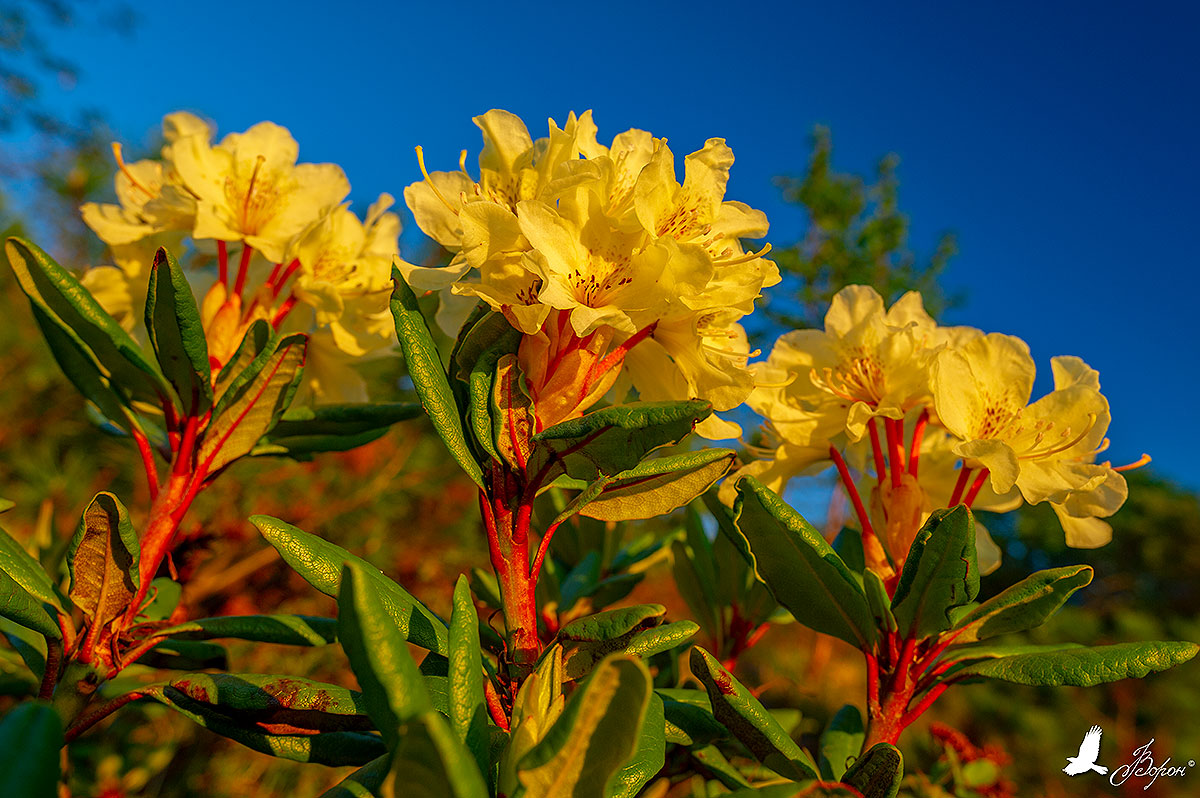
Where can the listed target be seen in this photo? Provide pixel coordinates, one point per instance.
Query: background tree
(856, 234)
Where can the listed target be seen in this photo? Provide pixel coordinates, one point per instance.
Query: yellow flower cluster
(305, 262)
(602, 258)
(850, 393)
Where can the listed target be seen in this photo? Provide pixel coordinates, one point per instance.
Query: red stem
(852, 492)
(222, 263)
(543, 547)
(880, 464)
(287, 275)
(964, 474)
(147, 454)
(895, 432)
(243, 269)
(54, 654)
(283, 311)
(918, 436)
(495, 708)
(98, 713)
(976, 486)
(925, 703)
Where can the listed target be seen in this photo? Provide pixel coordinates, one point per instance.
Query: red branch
(852, 492)
(918, 436)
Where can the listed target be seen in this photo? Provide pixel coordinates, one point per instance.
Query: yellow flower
(345, 275)
(250, 188)
(982, 392)
(150, 199)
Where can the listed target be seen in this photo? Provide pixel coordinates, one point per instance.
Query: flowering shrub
(594, 304)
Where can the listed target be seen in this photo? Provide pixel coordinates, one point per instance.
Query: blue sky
(1059, 143)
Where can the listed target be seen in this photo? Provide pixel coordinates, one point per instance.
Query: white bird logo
(1089, 750)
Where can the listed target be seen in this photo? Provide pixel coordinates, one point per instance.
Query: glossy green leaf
(237, 371)
(164, 597)
(468, 708)
(429, 376)
(282, 716)
(801, 570)
(1083, 667)
(749, 721)
(365, 782)
(1024, 605)
(841, 743)
(29, 645)
(320, 563)
(288, 630)
(70, 307)
(712, 760)
(658, 486)
(878, 600)
(333, 428)
(595, 736)
(431, 762)
(103, 560)
(612, 624)
(27, 572)
(878, 772)
(389, 678)
(613, 439)
(20, 607)
(940, 573)
(85, 373)
(186, 655)
(177, 334)
(31, 739)
(250, 407)
(650, 756)
(689, 717)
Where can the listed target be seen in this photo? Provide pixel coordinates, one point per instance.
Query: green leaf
(177, 334)
(31, 739)
(283, 716)
(658, 486)
(749, 721)
(468, 708)
(689, 717)
(103, 560)
(613, 439)
(364, 782)
(164, 597)
(27, 572)
(841, 743)
(1024, 605)
(612, 624)
(253, 402)
(85, 373)
(940, 574)
(64, 303)
(650, 757)
(186, 655)
(429, 376)
(878, 772)
(801, 570)
(333, 428)
(236, 371)
(378, 655)
(633, 630)
(879, 601)
(320, 563)
(18, 606)
(30, 646)
(1083, 667)
(595, 736)
(431, 762)
(287, 630)
(712, 760)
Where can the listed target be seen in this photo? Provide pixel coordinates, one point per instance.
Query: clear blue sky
(1057, 140)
